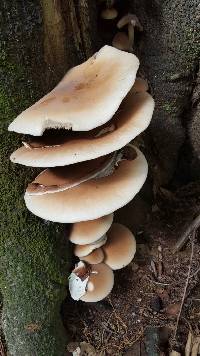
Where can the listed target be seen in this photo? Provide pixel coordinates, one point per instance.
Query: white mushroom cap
(133, 117)
(96, 256)
(87, 97)
(121, 41)
(84, 250)
(87, 232)
(120, 247)
(109, 13)
(94, 198)
(100, 283)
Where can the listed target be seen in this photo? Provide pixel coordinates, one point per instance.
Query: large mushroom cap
(93, 198)
(87, 232)
(120, 247)
(100, 283)
(132, 118)
(87, 96)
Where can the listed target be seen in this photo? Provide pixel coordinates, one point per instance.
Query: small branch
(183, 238)
(186, 285)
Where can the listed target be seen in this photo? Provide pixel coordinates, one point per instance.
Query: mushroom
(120, 247)
(109, 13)
(92, 172)
(121, 41)
(100, 283)
(132, 22)
(87, 97)
(140, 86)
(93, 198)
(90, 231)
(131, 119)
(96, 256)
(84, 250)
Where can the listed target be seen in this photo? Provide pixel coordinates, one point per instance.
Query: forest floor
(146, 299)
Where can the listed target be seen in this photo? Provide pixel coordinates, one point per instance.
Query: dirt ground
(146, 297)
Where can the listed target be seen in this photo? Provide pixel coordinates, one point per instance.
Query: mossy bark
(34, 254)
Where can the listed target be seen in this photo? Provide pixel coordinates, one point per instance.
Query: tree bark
(39, 42)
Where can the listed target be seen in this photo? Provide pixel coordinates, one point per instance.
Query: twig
(186, 284)
(183, 238)
(188, 344)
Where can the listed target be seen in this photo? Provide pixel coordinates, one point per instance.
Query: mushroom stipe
(92, 170)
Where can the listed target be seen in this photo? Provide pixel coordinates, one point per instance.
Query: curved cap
(93, 198)
(120, 247)
(84, 250)
(100, 283)
(132, 118)
(121, 41)
(109, 13)
(87, 232)
(87, 97)
(96, 256)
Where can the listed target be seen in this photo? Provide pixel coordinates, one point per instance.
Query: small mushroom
(132, 22)
(87, 97)
(84, 250)
(87, 232)
(120, 247)
(100, 283)
(121, 41)
(140, 86)
(96, 256)
(109, 13)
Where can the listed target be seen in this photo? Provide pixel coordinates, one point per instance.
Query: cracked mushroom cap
(87, 97)
(96, 256)
(120, 247)
(84, 250)
(133, 117)
(87, 232)
(93, 198)
(100, 283)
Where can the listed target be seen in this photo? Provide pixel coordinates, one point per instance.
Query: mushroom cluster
(81, 133)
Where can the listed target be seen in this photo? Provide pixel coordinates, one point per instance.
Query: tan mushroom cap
(94, 198)
(84, 250)
(87, 97)
(100, 283)
(133, 117)
(120, 247)
(121, 41)
(109, 13)
(87, 232)
(96, 256)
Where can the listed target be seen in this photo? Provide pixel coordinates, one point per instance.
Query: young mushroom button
(120, 247)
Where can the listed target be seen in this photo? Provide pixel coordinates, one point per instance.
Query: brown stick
(183, 238)
(186, 285)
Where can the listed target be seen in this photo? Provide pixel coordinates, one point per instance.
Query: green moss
(33, 253)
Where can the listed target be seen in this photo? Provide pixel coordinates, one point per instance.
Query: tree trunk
(38, 44)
